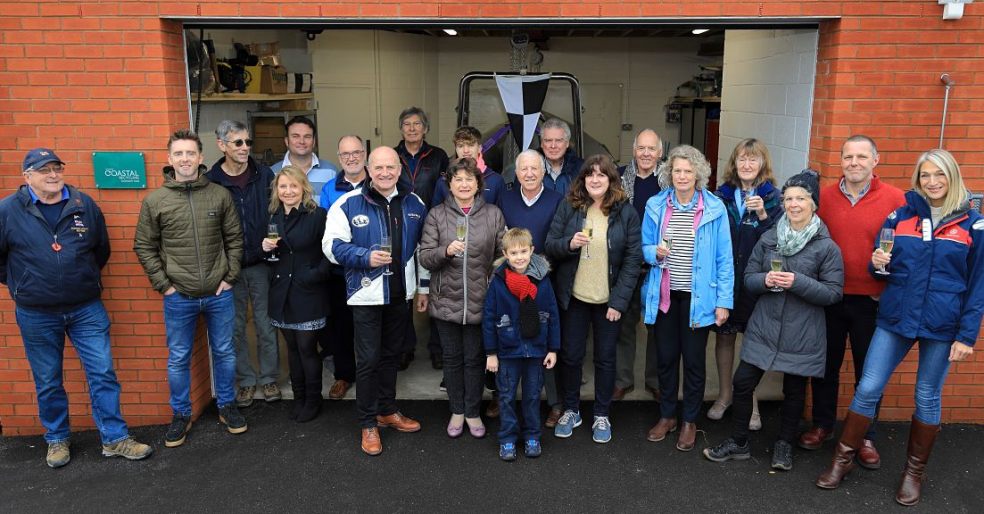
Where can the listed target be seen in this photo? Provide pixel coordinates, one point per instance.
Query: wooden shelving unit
(243, 97)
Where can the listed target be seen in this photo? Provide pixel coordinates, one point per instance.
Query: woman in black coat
(595, 243)
(297, 305)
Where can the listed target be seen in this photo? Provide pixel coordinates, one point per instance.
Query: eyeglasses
(350, 155)
(49, 170)
(239, 142)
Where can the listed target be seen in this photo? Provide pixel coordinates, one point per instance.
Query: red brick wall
(79, 76)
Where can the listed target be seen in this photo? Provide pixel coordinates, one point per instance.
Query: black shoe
(782, 456)
(177, 431)
(234, 421)
(443, 387)
(298, 401)
(727, 450)
(405, 360)
(437, 362)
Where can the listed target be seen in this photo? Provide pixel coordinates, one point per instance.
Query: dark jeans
(675, 339)
(464, 366)
(577, 319)
(303, 359)
(747, 377)
(511, 373)
(338, 337)
(853, 316)
(379, 331)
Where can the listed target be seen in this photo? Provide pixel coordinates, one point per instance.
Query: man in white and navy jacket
(379, 285)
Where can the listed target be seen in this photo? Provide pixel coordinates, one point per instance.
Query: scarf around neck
(790, 241)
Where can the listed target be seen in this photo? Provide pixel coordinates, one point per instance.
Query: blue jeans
(180, 321)
(253, 287)
(44, 343)
(511, 373)
(884, 355)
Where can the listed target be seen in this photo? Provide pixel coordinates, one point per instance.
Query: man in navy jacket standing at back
(53, 246)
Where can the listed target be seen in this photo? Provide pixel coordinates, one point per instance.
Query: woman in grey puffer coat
(786, 331)
(460, 263)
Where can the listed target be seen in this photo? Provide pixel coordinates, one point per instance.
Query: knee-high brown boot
(921, 439)
(855, 426)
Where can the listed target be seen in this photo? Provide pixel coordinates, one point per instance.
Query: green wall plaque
(119, 170)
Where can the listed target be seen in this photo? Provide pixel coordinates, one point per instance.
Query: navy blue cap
(39, 157)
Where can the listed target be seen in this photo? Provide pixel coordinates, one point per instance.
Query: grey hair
(532, 154)
(227, 126)
(557, 123)
(410, 111)
(702, 169)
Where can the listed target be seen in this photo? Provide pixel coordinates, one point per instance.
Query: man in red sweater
(854, 210)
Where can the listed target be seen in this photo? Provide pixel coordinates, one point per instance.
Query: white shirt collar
(529, 203)
(315, 162)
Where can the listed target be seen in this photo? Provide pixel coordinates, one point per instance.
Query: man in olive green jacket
(190, 243)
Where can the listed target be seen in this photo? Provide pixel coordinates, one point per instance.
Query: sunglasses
(239, 142)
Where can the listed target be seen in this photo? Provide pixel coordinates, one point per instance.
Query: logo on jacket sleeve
(978, 225)
(360, 221)
(413, 215)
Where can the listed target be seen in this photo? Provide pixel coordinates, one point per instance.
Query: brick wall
(79, 76)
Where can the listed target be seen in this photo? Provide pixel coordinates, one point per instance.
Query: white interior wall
(768, 94)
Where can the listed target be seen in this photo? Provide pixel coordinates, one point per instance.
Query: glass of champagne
(386, 245)
(588, 229)
(667, 243)
(461, 231)
(775, 262)
(886, 241)
(273, 233)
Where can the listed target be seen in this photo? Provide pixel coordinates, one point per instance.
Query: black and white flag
(522, 96)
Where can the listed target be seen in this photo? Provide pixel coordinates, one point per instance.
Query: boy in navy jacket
(521, 329)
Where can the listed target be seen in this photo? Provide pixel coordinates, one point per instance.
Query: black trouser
(464, 366)
(303, 359)
(578, 317)
(379, 331)
(747, 377)
(675, 338)
(338, 337)
(853, 316)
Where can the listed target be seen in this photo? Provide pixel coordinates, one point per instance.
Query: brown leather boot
(921, 439)
(855, 426)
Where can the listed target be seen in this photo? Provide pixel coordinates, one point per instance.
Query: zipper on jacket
(198, 253)
(464, 275)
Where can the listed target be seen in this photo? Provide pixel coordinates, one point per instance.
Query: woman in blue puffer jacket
(935, 296)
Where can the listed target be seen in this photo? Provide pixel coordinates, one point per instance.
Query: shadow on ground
(282, 466)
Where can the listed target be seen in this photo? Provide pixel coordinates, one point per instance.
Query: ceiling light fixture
(698, 32)
(451, 32)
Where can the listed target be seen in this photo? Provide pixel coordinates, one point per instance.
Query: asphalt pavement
(283, 466)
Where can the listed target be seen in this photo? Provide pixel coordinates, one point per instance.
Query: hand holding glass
(273, 233)
(667, 244)
(386, 246)
(587, 229)
(775, 262)
(461, 231)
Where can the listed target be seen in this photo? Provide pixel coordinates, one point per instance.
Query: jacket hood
(919, 203)
(538, 269)
(172, 183)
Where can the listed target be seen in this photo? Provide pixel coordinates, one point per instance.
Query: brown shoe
(688, 437)
(399, 422)
(921, 439)
(553, 417)
(814, 438)
(663, 427)
(868, 456)
(620, 392)
(855, 425)
(338, 390)
(492, 411)
(370, 441)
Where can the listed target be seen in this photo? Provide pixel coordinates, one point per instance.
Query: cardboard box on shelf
(273, 80)
(304, 104)
(253, 79)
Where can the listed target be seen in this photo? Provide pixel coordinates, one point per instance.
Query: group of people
(513, 277)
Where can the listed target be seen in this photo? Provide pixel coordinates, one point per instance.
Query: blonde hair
(516, 236)
(956, 192)
(702, 168)
(297, 175)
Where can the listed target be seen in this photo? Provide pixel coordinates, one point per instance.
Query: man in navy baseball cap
(37, 158)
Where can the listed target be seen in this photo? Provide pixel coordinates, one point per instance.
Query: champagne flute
(273, 232)
(667, 243)
(588, 230)
(386, 245)
(775, 261)
(461, 231)
(886, 241)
